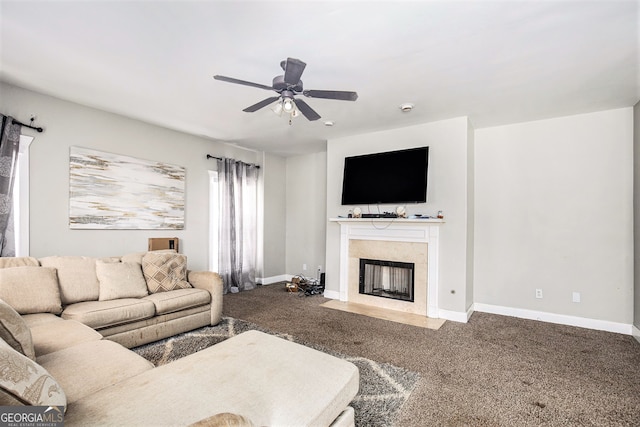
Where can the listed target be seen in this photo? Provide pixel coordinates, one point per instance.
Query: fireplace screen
(388, 279)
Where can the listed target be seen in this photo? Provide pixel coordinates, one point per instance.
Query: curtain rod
(209, 156)
(16, 122)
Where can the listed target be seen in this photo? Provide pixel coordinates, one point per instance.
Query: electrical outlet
(304, 267)
(576, 297)
(538, 293)
(319, 268)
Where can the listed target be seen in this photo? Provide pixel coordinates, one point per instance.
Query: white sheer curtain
(237, 236)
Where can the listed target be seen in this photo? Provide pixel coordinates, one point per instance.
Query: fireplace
(399, 240)
(387, 279)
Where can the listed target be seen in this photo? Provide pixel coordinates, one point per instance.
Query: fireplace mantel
(418, 230)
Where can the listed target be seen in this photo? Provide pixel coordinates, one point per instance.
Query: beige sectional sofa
(115, 296)
(70, 351)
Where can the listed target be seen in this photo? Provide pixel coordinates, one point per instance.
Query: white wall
(447, 191)
(67, 124)
(306, 193)
(470, 215)
(553, 210)
(274, 177)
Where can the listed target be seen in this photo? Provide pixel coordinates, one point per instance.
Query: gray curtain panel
(237, 245)
(9, 149)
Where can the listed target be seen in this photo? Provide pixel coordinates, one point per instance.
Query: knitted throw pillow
(165, 271)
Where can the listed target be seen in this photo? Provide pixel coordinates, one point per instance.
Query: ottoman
(268, 380)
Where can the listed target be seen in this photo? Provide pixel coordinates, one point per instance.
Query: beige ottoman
(268, 380)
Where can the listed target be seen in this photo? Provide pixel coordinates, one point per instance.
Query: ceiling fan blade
(261, 104)
(331, 94)
(306, 111)
(293, 71)
(241, 82)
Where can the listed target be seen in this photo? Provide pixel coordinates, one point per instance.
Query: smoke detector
(406, 107)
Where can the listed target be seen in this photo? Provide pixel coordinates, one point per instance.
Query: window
(21, 199)
(214, 212)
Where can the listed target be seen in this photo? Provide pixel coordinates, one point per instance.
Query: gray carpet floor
(492, 371)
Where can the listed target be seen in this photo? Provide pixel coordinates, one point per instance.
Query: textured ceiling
(495, 62)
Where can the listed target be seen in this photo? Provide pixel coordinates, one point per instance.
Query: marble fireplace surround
(399, 239)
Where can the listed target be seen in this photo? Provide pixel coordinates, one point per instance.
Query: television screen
(389, 177)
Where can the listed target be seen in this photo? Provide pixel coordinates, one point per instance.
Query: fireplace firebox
(387, 279)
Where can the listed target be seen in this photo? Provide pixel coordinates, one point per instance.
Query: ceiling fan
(288, 86)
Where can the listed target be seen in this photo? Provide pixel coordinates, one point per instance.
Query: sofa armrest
(211, 282)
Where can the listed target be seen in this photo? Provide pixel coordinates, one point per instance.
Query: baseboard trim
(274, 279)
(331, 294)
(561, 319)
(636, 333)
(455, 316)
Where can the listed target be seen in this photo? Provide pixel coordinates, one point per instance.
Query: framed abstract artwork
(111, 191)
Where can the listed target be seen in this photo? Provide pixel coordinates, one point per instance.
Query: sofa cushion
(54, 336)
(91, 366)
(120, 280)
(180, 299)
(24, 261)
(14, 331)
(23, 380)
(77, 277)
(102, 314)
(30, 289)
(165, 271)
(36, 319)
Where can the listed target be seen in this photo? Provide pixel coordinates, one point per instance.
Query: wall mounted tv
(389, 177)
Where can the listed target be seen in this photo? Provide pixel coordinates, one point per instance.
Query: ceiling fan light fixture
(288, 106)
(277, 108)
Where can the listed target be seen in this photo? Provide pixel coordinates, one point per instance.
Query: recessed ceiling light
(329, 123)
(406, 107)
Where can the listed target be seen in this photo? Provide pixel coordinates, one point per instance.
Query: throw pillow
(15, 332)
(77, 276)
(30, 289)
(120, 280)
(165, 271)
(23, 380)
(224, 419)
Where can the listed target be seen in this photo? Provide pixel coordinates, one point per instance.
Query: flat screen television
(390, 177)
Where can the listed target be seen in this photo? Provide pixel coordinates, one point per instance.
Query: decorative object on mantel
(111, 191)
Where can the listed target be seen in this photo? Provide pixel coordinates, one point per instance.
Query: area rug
(384, 388)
